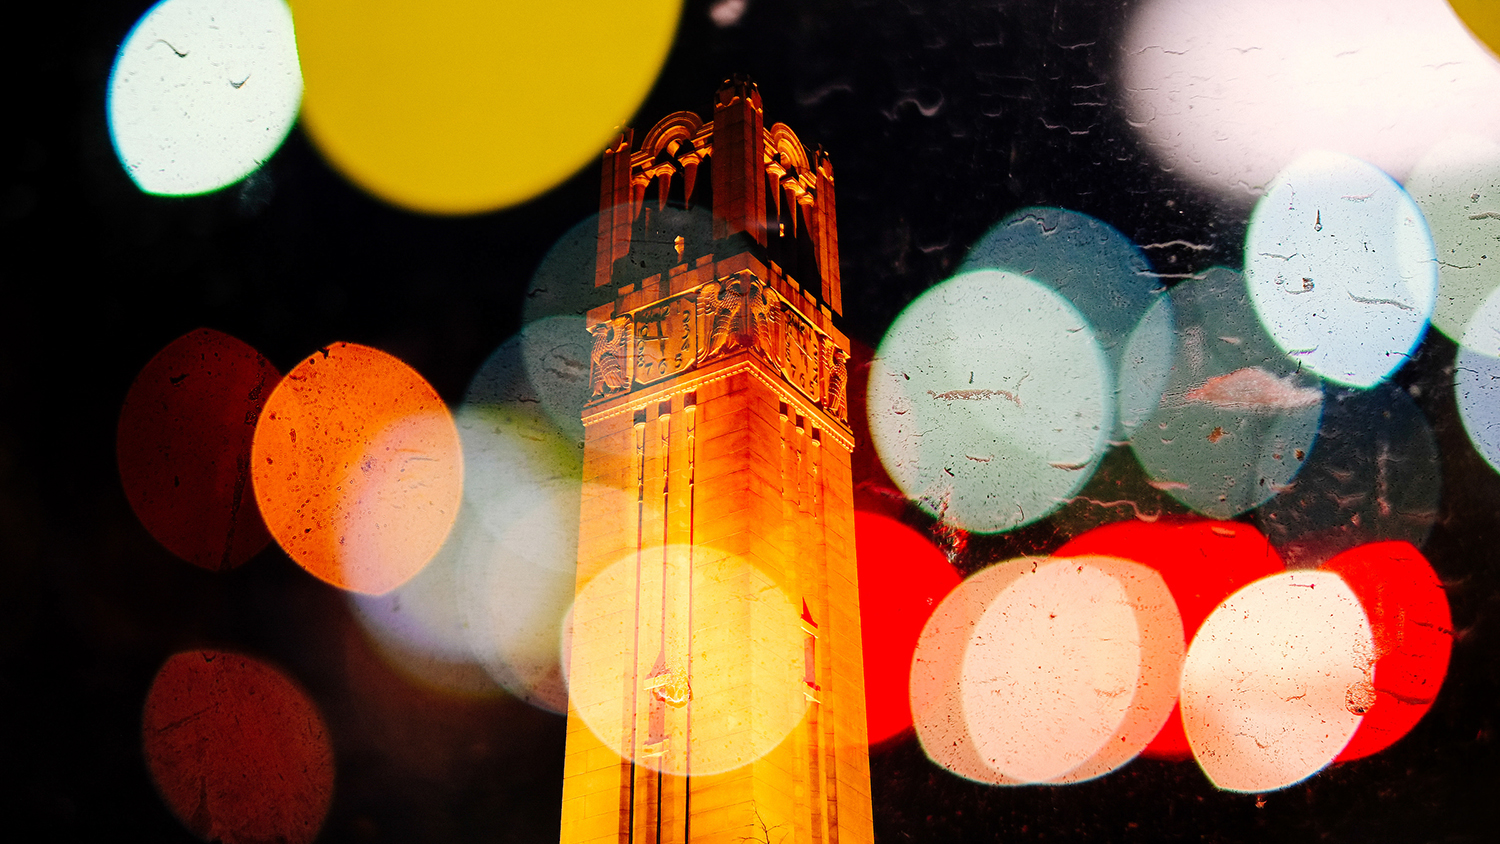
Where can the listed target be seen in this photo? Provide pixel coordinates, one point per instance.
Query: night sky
(941, 119)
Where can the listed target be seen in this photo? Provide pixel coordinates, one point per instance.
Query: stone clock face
(665, 339)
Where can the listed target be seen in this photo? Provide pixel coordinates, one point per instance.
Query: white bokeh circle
(1341, 268)
(203, 92)
(1228, 92)
(1277, 680)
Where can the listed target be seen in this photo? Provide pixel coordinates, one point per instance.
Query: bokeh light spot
(1092, 265)
(1277, 680)
(1482, 17)
(203, 92)
(183, 445)
(1235, 417)
(519, 585)
(563, 284)
(1043, 670)
(937, 704)
(1202, 562)
(419, 628)
(1476, 380)
(1146, 366)
(706, 698)
(465, 106)
(556, 352)
(1098, 270)
(1375, 474)
(1336, 243)
(237, 750)
(357, 468)
(1413, 632)
(990, 400)
(1105, 639)
(516, 448)
(902, 579)
(1228, 92)
(523, 456)
(1457, 186)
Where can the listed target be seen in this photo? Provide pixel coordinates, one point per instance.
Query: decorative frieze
(737, 313)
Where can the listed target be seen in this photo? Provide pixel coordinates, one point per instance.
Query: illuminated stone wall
(716, 679)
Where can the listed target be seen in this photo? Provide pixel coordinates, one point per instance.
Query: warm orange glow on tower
(721, 605)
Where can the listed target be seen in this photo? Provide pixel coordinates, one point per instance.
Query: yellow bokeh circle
(466, 106)
(687, 660)
(1482, 17)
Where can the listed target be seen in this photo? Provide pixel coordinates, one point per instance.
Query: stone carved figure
(719, 306)
(735, 313)
(609, 359)
(765, 317)
(836, 390)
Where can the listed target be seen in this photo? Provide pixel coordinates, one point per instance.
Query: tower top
(741, 86)
(657, 210)
(741, 260)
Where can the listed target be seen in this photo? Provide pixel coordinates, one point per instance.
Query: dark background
(941, 119)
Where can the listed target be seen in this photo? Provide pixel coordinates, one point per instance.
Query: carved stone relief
(666, 339)
(720, 304)
(835, 398)
(800, 353)
(736, 312)
(722, 317)
(609, 363)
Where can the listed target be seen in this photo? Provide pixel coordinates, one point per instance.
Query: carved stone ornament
(737, 312)
(720, 304)
(764, 319)
(670, 686)
(835, 397)
(800, 353)
(610, 360)
(666, 339)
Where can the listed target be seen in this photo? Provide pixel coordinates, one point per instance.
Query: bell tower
(715, 671)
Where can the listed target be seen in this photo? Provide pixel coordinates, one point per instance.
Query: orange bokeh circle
(357, 468)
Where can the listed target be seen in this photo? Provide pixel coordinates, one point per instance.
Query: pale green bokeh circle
(1457, 186)
(1235, 419)
(990, 400)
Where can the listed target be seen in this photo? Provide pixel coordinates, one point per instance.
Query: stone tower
(716, 678)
